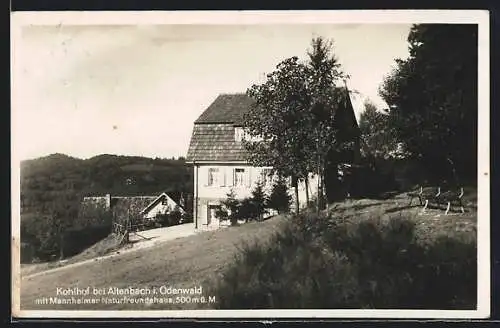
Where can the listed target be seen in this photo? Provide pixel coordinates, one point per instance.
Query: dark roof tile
(226, 108)
(215, 142)
(213, 133)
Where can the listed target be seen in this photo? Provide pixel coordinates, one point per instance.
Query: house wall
(225, 177)
(161, 208)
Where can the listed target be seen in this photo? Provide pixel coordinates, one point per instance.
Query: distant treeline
(52, 188)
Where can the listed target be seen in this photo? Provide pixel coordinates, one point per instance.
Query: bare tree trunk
(321, 179)
(296, 187)
(306, 181)
(324, 200)
(320, 194)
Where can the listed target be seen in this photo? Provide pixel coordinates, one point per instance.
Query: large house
(219, 159)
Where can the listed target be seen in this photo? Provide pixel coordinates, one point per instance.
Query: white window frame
(213, 176)
(243, 174)
(241, 134)
(238, 134)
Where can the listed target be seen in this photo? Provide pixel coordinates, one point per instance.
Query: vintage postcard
(251, 164)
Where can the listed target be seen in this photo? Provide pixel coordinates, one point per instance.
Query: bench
(415, 193)
(451, 197)
(423, 195)
(448, 198)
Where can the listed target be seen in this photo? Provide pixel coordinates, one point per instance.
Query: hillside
(185, 262)
(200, 259)
(43, 179)
(52, 188)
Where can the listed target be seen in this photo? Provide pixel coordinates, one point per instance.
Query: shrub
(259, 201)
(247, 210)
(169, 219)
(222, 214)
(279, 199)
(187, 217)
(322, 262)
(76, 240)
(162, 219)
(175, 216)
(231, 205)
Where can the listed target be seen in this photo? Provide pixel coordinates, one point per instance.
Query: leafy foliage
(173, 217)
(52, 189)
(279, 199)
(321, 262)
(294, 114)
(231, 207)
(249, 208)
(433, 97)
(377, 133)
(259, 200)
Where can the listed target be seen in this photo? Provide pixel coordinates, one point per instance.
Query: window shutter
(222, 176)
(204, 177)
(248, 172)
(230, 176)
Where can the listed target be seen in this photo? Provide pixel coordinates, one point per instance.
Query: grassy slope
(195, 260)
(429, 225)
(185, 262)
(103, 247)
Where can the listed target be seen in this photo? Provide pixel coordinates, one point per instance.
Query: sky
(136, 89)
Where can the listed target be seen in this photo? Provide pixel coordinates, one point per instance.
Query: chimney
(108, 201)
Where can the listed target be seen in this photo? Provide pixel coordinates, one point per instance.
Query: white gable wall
(213, 182)
(240, 178)
(162, 208)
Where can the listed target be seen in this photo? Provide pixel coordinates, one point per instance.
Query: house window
(239, 177)
(238, 134)
(213, 176)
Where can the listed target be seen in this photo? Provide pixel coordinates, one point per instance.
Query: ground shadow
(362, 206)
(401, 208)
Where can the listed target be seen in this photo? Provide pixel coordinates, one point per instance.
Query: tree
(247, 209)
(231, 207)
(281, 103)
(294, 113)
(279, 199)
(259, 200)
(376, 133)
(324, 72)
(433, 98)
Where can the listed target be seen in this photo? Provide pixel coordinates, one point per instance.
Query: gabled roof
(213, 138)
(226, 108)
(215, 142)
(157, 200)
(345, 119)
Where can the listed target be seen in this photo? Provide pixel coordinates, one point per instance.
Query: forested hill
(59, 180)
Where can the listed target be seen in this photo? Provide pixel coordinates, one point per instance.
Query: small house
(99, 210)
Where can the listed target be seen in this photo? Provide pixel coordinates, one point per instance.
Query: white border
(480, 17)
